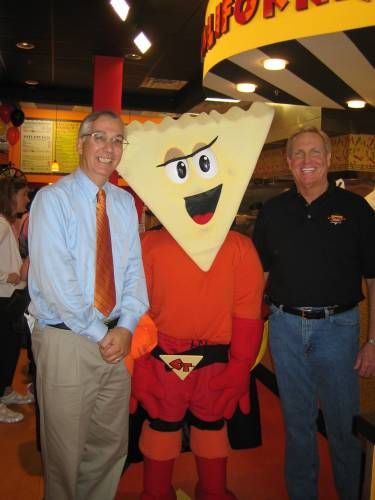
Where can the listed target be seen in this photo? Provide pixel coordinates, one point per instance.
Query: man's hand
(115, 345)
(365, 363)
(13, 278)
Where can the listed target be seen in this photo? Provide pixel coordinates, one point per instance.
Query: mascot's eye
(205, 163)
(177, 171)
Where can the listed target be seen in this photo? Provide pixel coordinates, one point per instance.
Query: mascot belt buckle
(182, 365)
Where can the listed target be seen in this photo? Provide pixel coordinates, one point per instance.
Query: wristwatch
(371, 340)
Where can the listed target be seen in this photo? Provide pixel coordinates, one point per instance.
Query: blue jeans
(313, 360)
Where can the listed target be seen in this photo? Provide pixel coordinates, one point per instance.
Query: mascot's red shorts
(193, 392)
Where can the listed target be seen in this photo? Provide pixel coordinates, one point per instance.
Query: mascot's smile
(201, 207)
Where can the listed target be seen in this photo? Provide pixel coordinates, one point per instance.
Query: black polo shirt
(316, 254)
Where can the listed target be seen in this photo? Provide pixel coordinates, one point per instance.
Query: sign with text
(235, 26)
(66, 138)
(36, 145)
(43, 141)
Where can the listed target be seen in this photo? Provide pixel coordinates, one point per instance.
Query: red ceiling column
(108, 72)
(107, 94)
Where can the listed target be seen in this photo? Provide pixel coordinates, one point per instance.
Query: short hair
(9, 187)
(85, 127)
(314, 130)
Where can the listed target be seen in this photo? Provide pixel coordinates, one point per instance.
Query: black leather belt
(313, 312)
(109, 324)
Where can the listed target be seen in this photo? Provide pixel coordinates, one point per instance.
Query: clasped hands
(115, 345)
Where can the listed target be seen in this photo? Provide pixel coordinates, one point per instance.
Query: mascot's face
(193, 172)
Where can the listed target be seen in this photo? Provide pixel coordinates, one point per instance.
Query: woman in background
(13, 200)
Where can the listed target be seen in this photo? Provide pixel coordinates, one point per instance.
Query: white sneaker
(13, 398)
(8, 416)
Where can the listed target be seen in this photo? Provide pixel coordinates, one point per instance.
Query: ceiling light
(356, 104)
(25, 45)
(31, 82)
(274, 64)
(142, 42)
(221, 99)
(121, 8)
(246, 87)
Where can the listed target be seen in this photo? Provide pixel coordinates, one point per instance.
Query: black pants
(10, 344)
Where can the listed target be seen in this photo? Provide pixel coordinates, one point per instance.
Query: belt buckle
(330, 310)
(305, 310)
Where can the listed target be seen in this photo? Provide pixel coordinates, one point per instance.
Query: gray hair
(85, 127)
(314, 130)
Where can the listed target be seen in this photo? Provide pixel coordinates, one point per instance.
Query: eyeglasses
(101, 139)
(8, 170)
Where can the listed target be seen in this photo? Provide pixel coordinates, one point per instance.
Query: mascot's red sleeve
(247, 332)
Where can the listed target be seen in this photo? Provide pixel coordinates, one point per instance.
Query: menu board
(43, 141)
(66, 138)
(36, 146)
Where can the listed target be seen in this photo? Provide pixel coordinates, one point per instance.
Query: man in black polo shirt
(316, 242)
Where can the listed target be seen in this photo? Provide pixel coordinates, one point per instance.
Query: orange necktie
(105, 292)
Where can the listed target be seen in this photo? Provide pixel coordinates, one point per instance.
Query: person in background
(21, 228)
(13, 200)
(88, 291)
(316, 242)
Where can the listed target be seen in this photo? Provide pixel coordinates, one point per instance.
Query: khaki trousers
(84, 405)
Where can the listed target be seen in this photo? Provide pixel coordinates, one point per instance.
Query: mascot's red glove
(233, 381)
(145, 386)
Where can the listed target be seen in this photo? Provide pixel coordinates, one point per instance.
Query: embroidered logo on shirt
(336, 219)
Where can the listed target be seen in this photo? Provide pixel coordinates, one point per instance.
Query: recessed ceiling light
(246, 87)
(133, 56)
(31, 82)
(356, 104)
(25, 45)
(121, 8)
(142, 42)
(221, 99)
(274, 64)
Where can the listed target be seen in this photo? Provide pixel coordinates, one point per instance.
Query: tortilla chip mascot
(205, 286)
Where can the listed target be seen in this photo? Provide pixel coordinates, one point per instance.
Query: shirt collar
(89, 188)
(331, 187)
